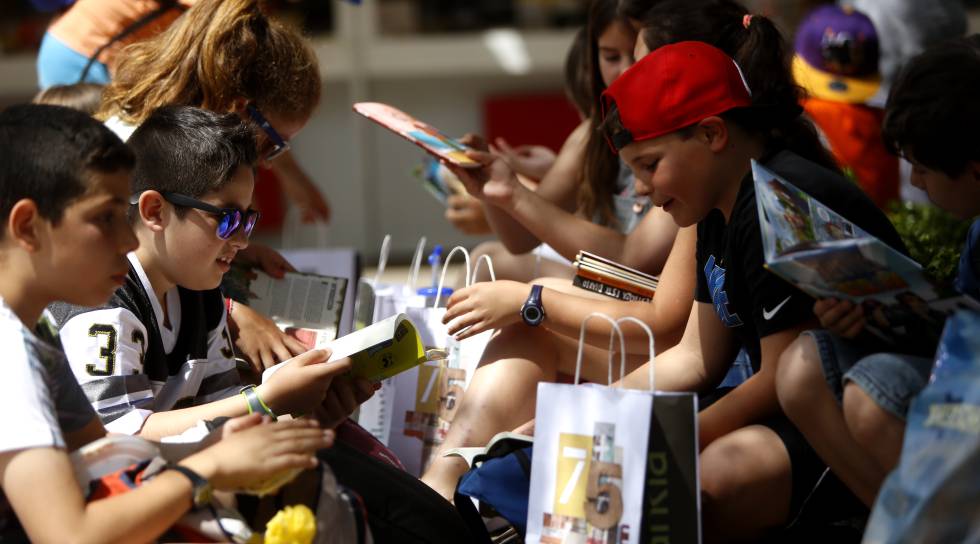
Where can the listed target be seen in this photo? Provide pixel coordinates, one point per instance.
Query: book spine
(608, 290)
(618, 283)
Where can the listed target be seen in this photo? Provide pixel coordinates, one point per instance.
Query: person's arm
(106, 350)
(298, 387)
(697, 362)
(40, 485)
(558, 187)
(647, 247)
(485, 306)
(752, 401)
(300, 189)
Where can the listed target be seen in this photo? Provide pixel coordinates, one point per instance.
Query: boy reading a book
(157, 357)
(852, 408)
(64, 187)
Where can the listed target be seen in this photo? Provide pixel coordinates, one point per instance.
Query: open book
(378, 351)
(606, 277)
(814, 248)
(421, 134)
(300, 301)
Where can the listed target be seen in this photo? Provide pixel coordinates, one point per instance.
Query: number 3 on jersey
(107, 351)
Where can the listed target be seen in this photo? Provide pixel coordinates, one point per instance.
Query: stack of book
(600, 275)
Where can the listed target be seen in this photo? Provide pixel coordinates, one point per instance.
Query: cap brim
(829, 86)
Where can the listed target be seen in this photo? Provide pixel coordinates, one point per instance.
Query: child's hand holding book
(841, 317)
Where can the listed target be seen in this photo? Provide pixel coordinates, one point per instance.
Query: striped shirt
(129, 365)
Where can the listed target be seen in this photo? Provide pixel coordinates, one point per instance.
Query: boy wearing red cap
(686, 122)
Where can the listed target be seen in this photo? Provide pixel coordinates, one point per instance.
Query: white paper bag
(613, 465)
(426, 397)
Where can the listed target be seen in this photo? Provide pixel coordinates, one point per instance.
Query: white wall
(389, 199)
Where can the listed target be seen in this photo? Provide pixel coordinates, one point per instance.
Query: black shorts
(816, 493)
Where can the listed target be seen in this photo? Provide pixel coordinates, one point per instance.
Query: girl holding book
(588, 192)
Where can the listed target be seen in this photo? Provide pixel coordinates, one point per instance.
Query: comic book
(826, 255)
(421, 134)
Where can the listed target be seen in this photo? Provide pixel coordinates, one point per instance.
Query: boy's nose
(640, 187)
(127, 239)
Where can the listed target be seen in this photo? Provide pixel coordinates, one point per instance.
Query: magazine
(425, 136)
(609, 278)
(379, 351)
(827, 256)
(300, 301)
(438, 180)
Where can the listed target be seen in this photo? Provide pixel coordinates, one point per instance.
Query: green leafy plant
(934, 238)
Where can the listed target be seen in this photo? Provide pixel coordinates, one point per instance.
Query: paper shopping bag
(613, 465)
(426, 397)
(377, 301)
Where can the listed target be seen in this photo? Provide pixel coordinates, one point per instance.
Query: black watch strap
(201, 490)
(532, 312)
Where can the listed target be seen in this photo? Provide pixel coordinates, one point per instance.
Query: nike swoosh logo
(768, 314)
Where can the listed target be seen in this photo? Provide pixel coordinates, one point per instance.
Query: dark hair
(577, 83)
(84, 97)
(763, 56)
(47, 154)
(601, 167)
(933, 105)
(191, 151)
(634, 9)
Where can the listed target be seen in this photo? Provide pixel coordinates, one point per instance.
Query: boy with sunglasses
(157, 358)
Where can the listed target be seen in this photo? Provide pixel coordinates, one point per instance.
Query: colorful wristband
(255, 403)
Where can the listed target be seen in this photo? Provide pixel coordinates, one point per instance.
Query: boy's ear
(713, 132)
(24, 223)
(152, 210)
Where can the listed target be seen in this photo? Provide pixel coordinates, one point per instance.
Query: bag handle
(476, 268)
(616, 331)
(383, 258)
(445, 267)
(652, 352)
(413, 276)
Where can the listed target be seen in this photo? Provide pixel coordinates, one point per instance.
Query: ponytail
(216, 53)
(763, 56)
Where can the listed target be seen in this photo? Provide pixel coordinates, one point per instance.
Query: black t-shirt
(749, 299)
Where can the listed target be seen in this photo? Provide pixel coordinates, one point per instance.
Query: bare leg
(500, 397)
(877, 431)
(503, 392)
(810, 405)
(746, 484)
(508, 266)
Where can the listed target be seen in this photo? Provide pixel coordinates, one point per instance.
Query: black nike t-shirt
(749, 299)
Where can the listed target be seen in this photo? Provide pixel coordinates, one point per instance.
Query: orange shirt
(854, 134)
(89, 24)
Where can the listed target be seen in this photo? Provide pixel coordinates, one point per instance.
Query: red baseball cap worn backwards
(673, 87)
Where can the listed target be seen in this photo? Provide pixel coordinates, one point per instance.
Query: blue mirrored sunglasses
(229, 219)
(279, 144)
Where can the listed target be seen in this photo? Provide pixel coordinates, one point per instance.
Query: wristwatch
(532, 312)
(201, 489)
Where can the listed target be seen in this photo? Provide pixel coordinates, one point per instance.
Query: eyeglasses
(279, 144)
(229, 219)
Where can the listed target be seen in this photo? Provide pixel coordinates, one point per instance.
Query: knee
(799, 377)
(721, 479)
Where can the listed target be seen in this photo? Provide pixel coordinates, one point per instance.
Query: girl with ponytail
(226, 55)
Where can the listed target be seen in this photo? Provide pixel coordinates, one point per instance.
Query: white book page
(300, 300)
